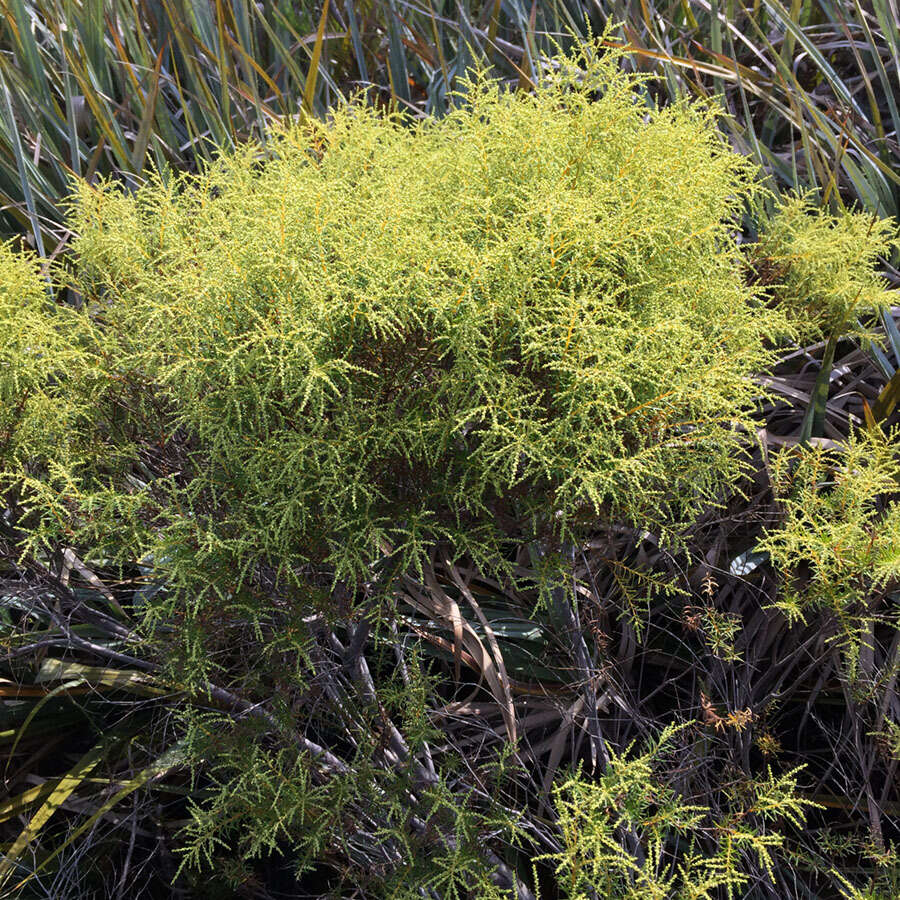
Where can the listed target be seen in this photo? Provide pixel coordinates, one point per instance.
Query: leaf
(60, 793)
(15, 806)
(309, 88)
(22, 167)
(125, 679)
(746, 562)
(172, 758)
(886, 401)
(509, 711)
(139, 150)
(63, 688)
(814, 420)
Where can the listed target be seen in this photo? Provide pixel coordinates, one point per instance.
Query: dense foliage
(117, 86)
(500, 325)
(400, 479)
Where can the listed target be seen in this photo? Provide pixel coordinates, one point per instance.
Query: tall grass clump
(113, 89)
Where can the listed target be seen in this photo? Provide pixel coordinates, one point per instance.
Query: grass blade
(172, 758)
(67, 784)
(309, 88)
(22, 169)
(139, 152)
(814, 420)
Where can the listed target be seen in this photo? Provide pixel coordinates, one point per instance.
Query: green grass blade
(309, 88)
(20, 732)
(172, 758)
(139, 152)
(18, 17)
(814, 420)
(397, 69)
(886, 402)
(25, 183)
(67, 784)
(358, 52)
(893, 333)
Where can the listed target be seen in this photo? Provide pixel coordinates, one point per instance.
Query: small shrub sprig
(839, 543)
(824, 268)
(633, 797)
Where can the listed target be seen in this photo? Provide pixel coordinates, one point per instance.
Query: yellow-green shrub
(838, 547)
(300, 373)
(824, 267)
(378, 336)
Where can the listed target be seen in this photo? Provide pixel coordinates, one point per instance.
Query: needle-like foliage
(839, 544)
(378, 337)
(825, 266)
(379, 386)
(632, 798)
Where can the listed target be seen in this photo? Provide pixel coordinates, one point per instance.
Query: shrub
(631, 797)
(824, 266)
(38, 358)
(316, 373)
(839, 543)
(381, 337)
